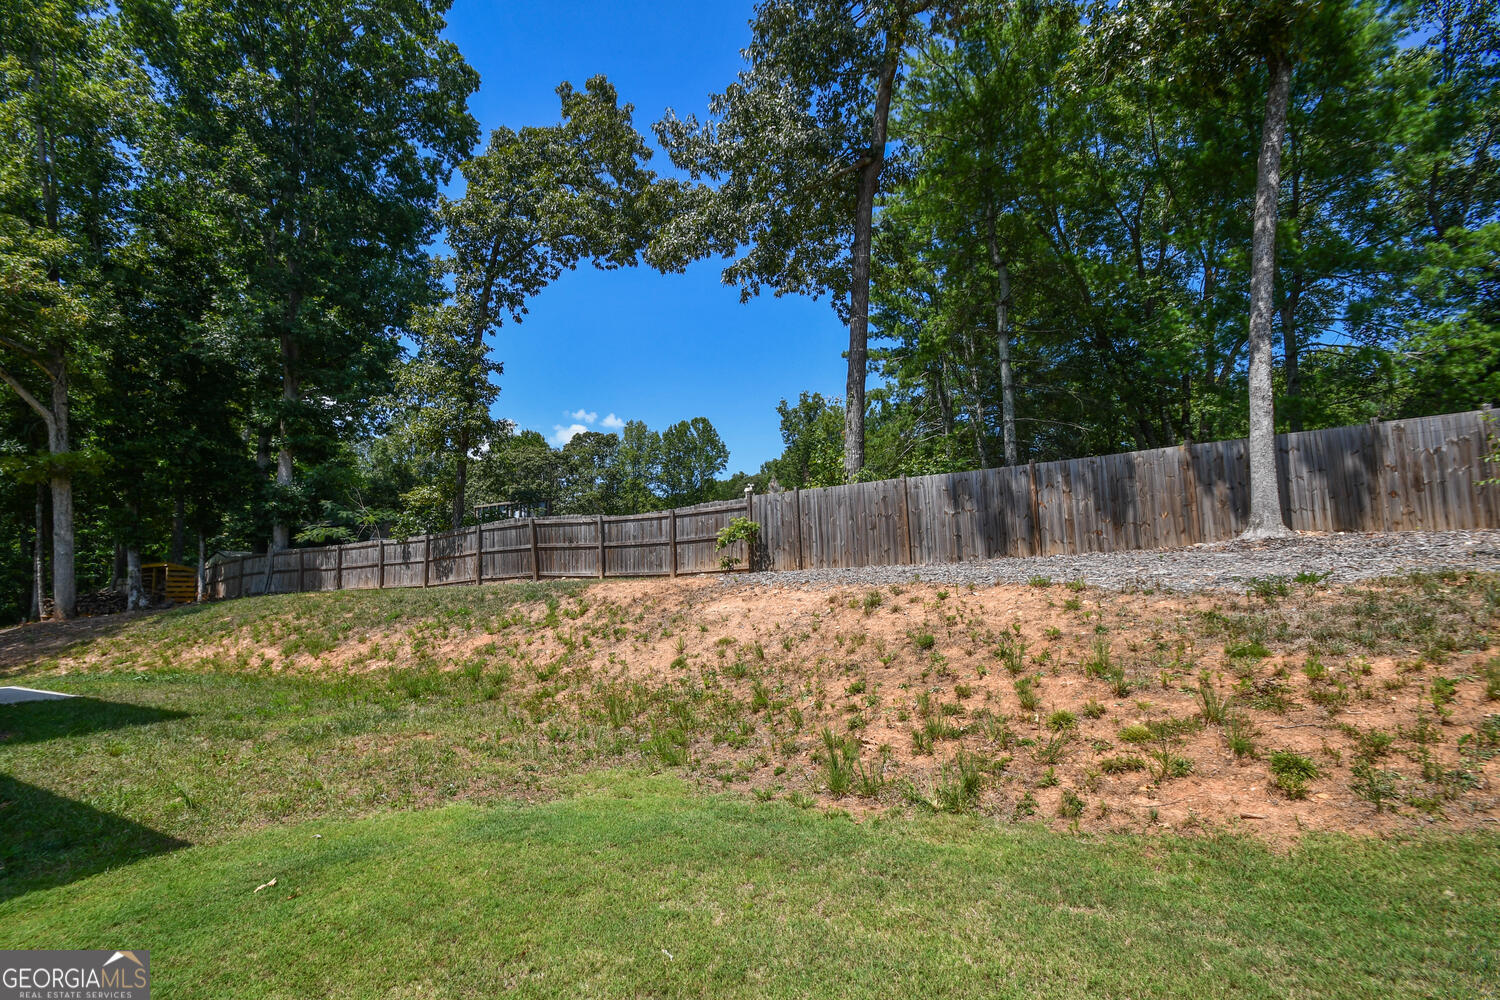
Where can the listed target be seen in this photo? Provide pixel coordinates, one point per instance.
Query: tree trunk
(945, 406)
(117, 567)
(38, 556)
(175, 549)
(135, 591)
(64, 584)
(859, 291)
(202, 571)
(1265, 490)
(979, 420)
(291, 394)
(1002, 346)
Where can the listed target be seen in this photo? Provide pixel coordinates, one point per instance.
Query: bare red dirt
(1386, 691)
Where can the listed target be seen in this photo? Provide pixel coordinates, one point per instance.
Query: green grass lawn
(637, 886)
(441, 829)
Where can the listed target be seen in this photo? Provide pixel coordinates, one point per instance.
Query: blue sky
(636, 344)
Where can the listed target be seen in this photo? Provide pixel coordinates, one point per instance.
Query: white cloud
(562, 435)
(587, 416)
(613, 422)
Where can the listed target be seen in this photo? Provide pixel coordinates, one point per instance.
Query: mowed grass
(637, 886)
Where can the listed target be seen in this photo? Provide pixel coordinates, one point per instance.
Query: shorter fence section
(661, 543)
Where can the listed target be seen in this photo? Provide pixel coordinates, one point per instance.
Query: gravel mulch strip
(1345, 557)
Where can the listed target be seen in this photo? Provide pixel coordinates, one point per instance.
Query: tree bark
(202, 573)
(859, 290)
(291, 394)
(135, 594)
(135, 591)
(54, 414)
(64, 584)
(1002, 346)
(979, 420)
(52, 360)
(38, 557)
(1265, 488)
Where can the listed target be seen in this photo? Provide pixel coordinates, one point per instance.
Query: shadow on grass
(50, 841)
(35, 721)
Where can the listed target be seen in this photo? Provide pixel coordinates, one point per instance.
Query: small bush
(1121, 765)
(1061, 719)
(1291, 772)
(1163, 764)
(1240, 734)
(1267, 587)
(1070, 806)
(1053, 750)
(1097, 664)
(960, 783)
(1026, 693)
(1374, 785)
(1012, 654)
(741, 529)
(1211, 704)
(841, 753)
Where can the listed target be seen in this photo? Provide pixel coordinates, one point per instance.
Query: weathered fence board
(1397, 476)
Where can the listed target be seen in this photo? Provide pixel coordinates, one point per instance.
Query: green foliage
(1291, 772)
(739, 529)
(692, 454)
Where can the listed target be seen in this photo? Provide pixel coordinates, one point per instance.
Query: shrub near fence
(1422, 474)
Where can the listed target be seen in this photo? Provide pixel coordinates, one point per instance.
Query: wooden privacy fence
(1421, 474)
(661, 543)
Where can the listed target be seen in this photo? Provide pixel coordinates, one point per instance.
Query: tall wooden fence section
(1421, 474)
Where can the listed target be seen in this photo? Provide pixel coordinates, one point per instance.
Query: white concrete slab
(15, 695)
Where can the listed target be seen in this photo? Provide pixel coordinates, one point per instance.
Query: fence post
(338, 567)
(1036, 512)
(1377, 433)
(379, 563)
(426, 558)
(750, 547)
(536, 565)
(301, 570)
(478, 554)
(797, 515)
(672, 541)
(906, 520)
(599, 527)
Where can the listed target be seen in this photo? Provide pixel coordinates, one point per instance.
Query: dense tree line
(1052, 229)
(1063, 254)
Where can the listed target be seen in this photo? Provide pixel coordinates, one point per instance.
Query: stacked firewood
(98, 602)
